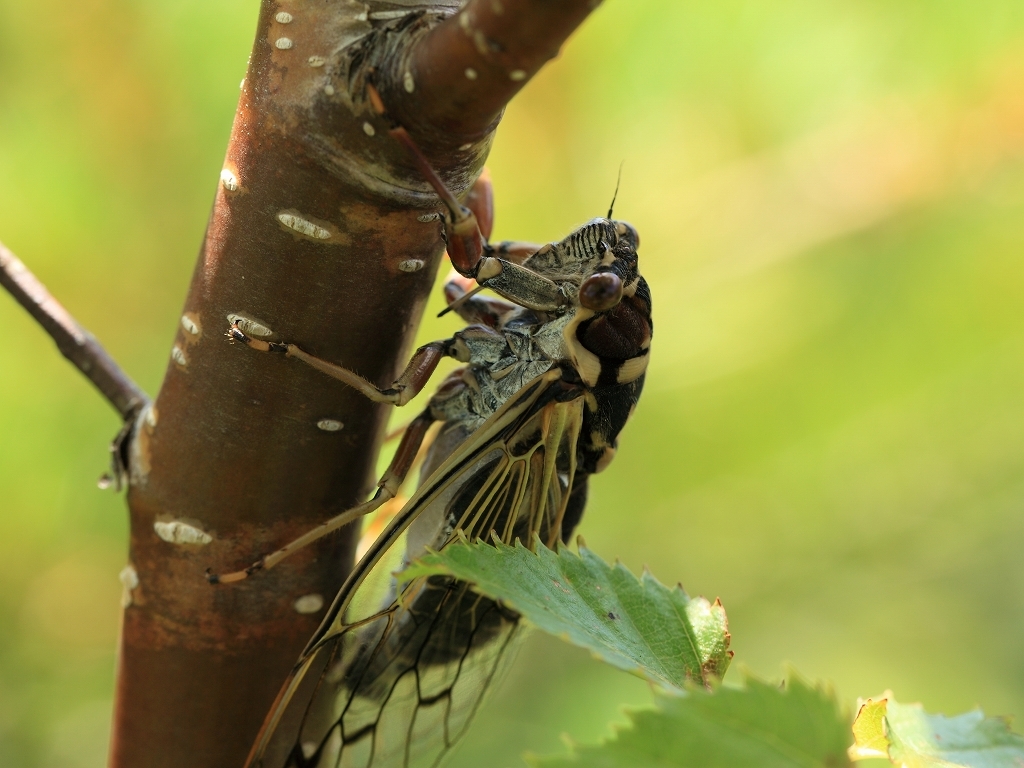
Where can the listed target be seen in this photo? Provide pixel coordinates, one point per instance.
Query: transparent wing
(397, 688)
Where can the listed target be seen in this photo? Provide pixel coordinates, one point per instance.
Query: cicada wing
(398, 688)
(400, 691)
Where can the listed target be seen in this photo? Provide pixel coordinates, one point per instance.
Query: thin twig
(74, 342)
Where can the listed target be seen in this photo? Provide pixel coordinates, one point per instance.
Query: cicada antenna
(615, 194)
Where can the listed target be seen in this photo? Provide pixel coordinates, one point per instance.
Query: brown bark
(316, 234)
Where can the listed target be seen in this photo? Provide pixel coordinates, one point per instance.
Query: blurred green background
(831, 201)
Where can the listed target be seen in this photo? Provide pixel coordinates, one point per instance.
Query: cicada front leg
(498, 268)
(470, 253)
(461, 294)
(460, 290)
(480, 201)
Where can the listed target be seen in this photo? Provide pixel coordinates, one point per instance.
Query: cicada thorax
(501, 361)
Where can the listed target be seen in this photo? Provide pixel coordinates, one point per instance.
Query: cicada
(552, 369)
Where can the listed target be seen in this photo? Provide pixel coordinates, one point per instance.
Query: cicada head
(611, 333)
(615, 269)
(599, 246)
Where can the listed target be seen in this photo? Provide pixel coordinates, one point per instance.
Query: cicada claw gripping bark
(552, 369)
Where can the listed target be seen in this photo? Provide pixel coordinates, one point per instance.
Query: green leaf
(638, 625)
(869, 739)
(910, 737)
(757, 726)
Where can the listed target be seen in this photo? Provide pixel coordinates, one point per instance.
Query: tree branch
(466, 70)
(74, 342)
(322, 234)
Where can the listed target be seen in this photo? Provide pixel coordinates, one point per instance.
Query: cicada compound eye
(601, 291)
(628, 233)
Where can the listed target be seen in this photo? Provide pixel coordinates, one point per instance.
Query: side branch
(74, 342)
(467, 69)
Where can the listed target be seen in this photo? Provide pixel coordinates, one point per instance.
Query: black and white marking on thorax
(526, 343)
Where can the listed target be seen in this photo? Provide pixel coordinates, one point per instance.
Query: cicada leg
(468, 248)
(472, 256)
(460, 293)
(415, 376)
(387, 489)
(480, 200)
